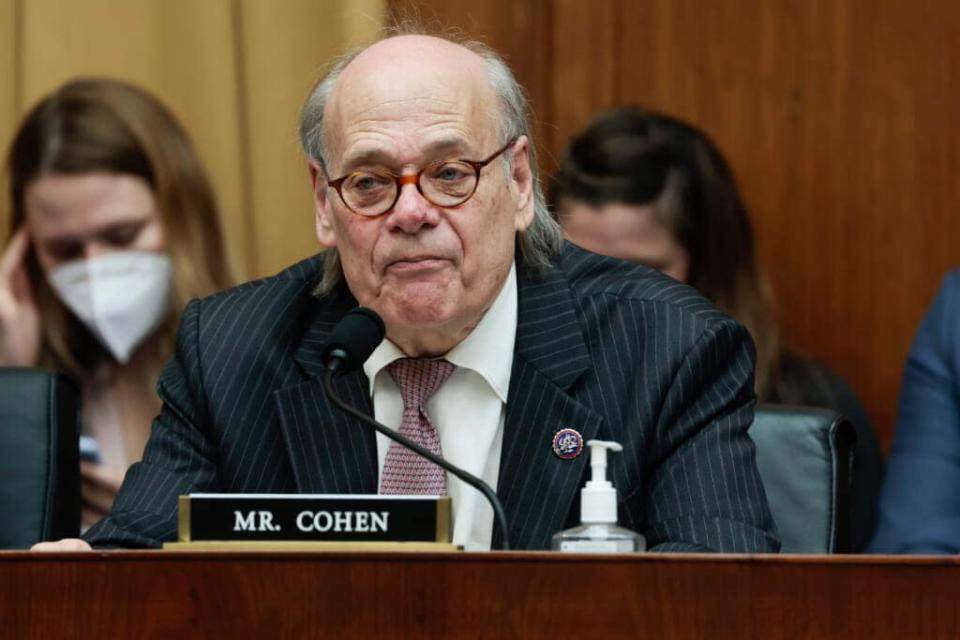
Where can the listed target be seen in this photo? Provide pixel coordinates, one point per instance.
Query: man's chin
(412, 317)
(411, 309)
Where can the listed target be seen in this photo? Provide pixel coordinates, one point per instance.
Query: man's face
(430, 272)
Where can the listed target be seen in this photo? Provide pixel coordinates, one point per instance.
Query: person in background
(919, 511)
(651, 189)
(114, 227)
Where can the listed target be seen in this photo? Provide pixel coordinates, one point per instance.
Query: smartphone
(90, 450)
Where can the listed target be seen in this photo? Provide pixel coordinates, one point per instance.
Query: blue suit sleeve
(920, 500)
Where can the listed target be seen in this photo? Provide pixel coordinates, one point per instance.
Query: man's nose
(412, 211)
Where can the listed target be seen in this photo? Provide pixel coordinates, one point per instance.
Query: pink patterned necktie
(404, 472)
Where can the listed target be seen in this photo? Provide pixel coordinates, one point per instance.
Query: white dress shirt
(468, 410)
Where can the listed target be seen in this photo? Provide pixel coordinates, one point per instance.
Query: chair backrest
(39, 466)
(805, 457)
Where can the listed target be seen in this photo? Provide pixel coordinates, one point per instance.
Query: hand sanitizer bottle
(599, 532)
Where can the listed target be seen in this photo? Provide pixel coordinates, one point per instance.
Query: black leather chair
(805, 457)
(39, 466)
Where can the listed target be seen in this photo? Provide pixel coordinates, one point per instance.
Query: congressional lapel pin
(567, 443)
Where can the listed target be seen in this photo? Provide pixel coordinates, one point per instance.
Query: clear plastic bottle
(599, 532)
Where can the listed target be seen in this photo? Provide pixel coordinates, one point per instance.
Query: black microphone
(350, 344)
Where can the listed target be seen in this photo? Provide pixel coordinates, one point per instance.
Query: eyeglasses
(447, 183)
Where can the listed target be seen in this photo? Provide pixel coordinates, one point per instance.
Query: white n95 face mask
(120, 297)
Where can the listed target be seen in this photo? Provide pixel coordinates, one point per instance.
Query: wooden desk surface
(126, 594)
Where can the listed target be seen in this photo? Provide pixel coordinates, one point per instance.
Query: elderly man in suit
(499, 336)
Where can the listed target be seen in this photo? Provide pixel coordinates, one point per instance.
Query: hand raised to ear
(19, 316)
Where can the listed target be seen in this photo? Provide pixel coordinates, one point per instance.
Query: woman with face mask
(114, 227)
(649, 188)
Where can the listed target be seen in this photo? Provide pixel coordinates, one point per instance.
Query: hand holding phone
(90, 450)
(99, 484)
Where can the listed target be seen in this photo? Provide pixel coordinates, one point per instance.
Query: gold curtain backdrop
(234, 71)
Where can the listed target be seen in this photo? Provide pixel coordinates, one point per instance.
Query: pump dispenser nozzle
(598, 461)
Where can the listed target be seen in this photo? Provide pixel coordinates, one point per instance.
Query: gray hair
(539, 243)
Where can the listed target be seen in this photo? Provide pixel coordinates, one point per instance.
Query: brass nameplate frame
(313, 519)
(312, 547)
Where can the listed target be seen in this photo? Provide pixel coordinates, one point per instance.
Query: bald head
(429, 83)
(395, 65)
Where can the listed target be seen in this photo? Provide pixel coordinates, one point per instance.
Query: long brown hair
(634, 156)
(97, 125)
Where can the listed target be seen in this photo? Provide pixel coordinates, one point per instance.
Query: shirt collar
(487, 350)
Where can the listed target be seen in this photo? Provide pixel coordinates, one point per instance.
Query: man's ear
(521, 176)
(324, 226)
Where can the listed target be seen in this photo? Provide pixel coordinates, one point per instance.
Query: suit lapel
(536, 486)
(329, 451)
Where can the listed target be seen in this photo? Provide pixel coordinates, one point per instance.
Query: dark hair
(634, 156)
(98, 124)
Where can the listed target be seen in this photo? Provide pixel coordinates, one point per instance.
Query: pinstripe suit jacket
(616, 351)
